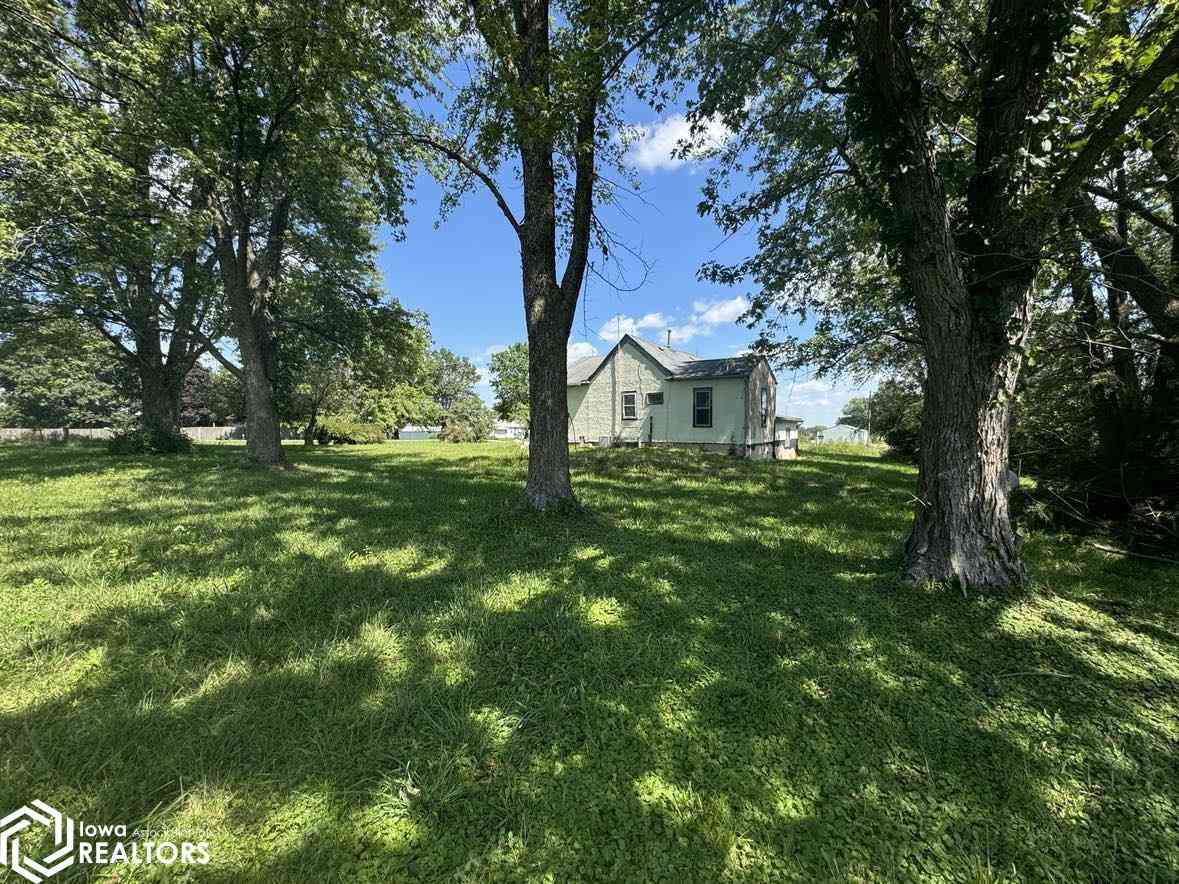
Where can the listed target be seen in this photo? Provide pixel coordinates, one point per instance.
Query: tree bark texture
(248, 278)
(971, 276)
(256, 344)
(972, 299)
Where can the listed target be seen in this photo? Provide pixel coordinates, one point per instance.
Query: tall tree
(449, 378)
(338, 352)
(196, 399)
(286, 99)
(59, 374)
(543, 98)
(509, 379)
(96, 225)
(930, 130)
(396, 407)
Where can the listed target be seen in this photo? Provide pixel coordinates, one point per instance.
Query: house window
(765, 404)
(702, 406)
(654, 398)
(630, 406)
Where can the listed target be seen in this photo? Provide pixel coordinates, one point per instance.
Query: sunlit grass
(379, 667)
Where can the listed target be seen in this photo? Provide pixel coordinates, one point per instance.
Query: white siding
(596, 410)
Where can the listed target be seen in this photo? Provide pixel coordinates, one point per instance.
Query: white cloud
(580, 350)
(659, 145)
(706, 316)
(721, 312)
(818, 401)
(617, 326)
(815, 393)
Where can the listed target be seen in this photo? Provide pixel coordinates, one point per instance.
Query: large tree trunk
(162, 376)
(962, 529)
(548, 443)
(263, 431)
(161, 398)
(257, 348)
(972, 296)
(548, 318)
(549, 305)
(248, 278)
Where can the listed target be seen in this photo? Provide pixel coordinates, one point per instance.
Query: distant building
(843, 433)
(414, 432)
(509, 430)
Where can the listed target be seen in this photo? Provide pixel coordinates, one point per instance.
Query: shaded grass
(379, 667)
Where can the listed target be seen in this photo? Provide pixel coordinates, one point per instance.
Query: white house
(641, 393)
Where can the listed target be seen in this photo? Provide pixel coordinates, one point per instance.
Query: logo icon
(32, 869)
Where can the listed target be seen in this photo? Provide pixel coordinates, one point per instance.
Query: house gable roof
(678, 364)
(581, 371)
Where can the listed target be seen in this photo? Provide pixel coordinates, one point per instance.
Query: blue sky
(465, 273)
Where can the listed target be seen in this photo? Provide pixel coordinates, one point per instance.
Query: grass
(378, 668)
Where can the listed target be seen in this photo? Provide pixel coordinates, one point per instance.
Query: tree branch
(471, 166)
(1136, 206)
(1103, 134)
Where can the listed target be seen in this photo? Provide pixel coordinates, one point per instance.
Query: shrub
(469, 420)
(346, 431)
(460, 431)
(903, 441)
(144, 440)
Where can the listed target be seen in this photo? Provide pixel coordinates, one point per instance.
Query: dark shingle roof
(672, 361)
(583, 369)
(679, 364)
(733, 367)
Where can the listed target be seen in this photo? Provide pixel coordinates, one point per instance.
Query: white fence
(56, 434)
(24, 434)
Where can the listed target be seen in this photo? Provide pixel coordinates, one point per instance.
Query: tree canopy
(509, 379)
(60, 374)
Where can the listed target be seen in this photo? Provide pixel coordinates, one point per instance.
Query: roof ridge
(660, 347)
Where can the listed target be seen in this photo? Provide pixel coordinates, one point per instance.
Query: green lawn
(378, 668)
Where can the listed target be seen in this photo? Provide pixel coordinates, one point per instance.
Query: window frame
(765, 404)
(651, 401)
(696, 409)
(634, 404)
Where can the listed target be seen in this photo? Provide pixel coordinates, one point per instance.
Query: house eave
(712, 377)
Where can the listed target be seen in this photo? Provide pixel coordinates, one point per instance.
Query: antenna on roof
(669, 339)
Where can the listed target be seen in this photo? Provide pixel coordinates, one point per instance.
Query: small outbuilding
(843, 433)
(786, 437)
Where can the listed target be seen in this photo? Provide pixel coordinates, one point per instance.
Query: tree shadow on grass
(383, 669)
